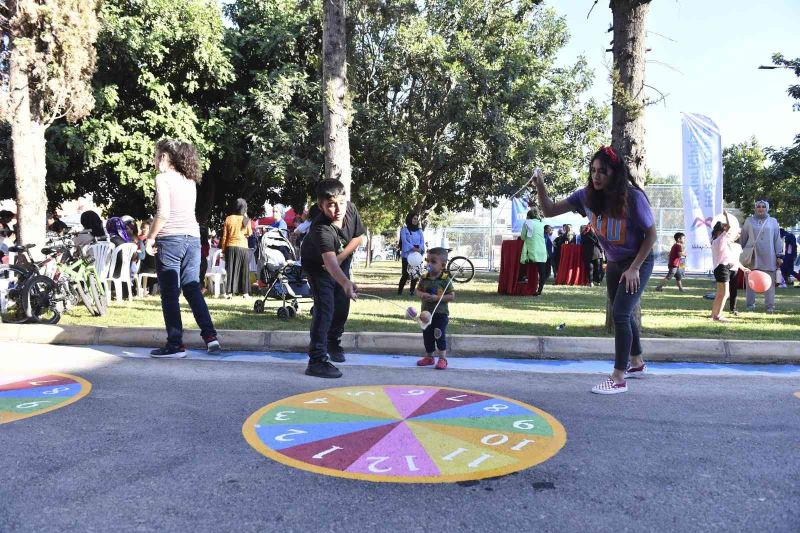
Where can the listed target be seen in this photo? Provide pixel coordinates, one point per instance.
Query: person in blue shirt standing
(411, 240)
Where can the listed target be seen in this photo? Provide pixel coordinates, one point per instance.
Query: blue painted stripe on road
(486, 363)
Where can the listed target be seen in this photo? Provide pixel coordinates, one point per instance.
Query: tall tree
(627, 77)
(161, 71)
(336, 102)
(272, 145)
(48, 66)
(460, 99)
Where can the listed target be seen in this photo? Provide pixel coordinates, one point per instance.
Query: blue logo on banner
(519, 210)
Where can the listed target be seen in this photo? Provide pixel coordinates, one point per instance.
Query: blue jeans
(626, 332)
(178, 267)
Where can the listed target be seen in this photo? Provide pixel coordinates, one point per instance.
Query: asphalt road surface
(158, 446)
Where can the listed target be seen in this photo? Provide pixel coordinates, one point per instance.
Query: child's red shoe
(441, 364)
(426, 361)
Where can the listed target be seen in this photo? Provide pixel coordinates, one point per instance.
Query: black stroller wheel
(258, 306)
(283, 313)
(311, 311)
(292, 312)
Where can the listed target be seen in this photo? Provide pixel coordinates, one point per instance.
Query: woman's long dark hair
(410, 221)
(91, 221)
(613, 200)
(183, 157)
(240, 208)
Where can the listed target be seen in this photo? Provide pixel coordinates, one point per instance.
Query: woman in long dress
(234, 245)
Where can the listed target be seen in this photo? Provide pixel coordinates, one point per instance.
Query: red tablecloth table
(571, 270)
(510, 267)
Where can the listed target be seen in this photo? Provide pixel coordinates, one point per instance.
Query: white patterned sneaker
(609, 387)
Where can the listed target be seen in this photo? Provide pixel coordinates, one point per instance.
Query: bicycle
(76, 275)
(461, 269)
(29, 294)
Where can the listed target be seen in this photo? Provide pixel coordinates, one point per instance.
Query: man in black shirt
(326, 256)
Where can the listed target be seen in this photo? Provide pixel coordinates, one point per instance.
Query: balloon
(411, 313)
(759, 281)
(414, 259)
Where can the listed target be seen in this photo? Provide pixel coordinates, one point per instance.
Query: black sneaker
(169, 352)
(322, 369)
(336, 355)
(212, 346)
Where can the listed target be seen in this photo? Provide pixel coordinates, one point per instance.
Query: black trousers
(544, 273)
(405, 277)
(595, 269)
(331, 309)
(733, 289)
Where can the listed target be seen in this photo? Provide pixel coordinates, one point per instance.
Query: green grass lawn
(478, 309)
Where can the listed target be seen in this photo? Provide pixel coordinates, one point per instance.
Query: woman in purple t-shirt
(620, 214)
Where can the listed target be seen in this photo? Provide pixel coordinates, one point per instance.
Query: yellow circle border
(797, 394)
(249, 432)
(86, 388)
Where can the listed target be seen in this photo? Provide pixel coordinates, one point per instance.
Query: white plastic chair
(122, 254)
(216, 272)
(101, 252)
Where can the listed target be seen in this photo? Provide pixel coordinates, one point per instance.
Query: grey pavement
(158, 446)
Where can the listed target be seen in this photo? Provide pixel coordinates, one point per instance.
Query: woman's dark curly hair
(613, 200)
(183, 157)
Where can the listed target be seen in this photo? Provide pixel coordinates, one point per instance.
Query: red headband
(610, 153)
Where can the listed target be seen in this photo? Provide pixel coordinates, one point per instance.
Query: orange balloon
(759, 281)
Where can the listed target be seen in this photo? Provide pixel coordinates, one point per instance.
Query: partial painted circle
(27, 396)
(797, 394)
(404, 433)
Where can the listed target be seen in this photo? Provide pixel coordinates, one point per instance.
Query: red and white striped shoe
(609, 387)
(636, 371)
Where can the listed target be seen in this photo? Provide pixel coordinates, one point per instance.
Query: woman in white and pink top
(725, 254)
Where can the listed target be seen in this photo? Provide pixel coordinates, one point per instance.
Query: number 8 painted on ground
(494, 408)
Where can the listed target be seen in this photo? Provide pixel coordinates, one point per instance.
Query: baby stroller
(281, 274)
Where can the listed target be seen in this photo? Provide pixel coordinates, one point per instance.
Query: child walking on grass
(435, 284)
(676, 257)
(725, 253)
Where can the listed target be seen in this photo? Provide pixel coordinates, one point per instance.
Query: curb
(503, 346)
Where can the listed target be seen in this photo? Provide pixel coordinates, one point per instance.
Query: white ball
(414, 259)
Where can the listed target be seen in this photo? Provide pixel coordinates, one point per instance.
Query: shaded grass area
(479, 310)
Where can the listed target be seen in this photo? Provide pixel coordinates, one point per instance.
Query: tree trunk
(368, 260)
(336, 107)
(27, 137)
(628, 101)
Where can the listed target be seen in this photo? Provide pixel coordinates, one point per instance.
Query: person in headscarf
(92, 229)
(533, 247)
(411, 240)
(762, 250)
(117, 231)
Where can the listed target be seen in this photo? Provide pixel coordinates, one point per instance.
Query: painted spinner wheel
(26, 396)
(404, 433)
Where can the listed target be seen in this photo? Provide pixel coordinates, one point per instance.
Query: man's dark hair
(678, 235)
(327, 189)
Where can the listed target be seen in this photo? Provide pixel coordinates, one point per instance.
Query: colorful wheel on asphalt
(404, 433)
(31, 395)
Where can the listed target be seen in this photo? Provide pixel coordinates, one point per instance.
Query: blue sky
(718, 46)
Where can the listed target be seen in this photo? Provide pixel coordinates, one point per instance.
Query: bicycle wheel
(98, 292)
(461, 269)
(86, 298)
(13, 280)
(38, 300)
